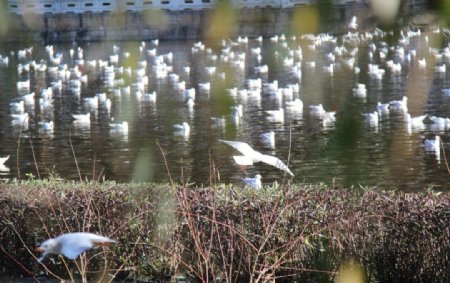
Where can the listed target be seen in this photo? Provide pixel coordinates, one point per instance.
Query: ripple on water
(345, 150)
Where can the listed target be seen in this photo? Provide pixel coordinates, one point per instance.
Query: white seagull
(415, 123)
(371, 118)
(182, 129)
(119, 127)
(329, 119)
(82, 118)
(353, 23)
(432, 145)
(382, 108)
(253, 182)
(3, 160)
(251, 156)
(399, 105)
(3, 167)
(275, 116)
(268, 139)
(316, 111)
(71, 245)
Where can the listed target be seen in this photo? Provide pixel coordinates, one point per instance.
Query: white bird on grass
(253, 182)
(71, 245)
(251, 156)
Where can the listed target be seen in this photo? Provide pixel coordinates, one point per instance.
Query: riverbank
(172, 25)
(288, 232)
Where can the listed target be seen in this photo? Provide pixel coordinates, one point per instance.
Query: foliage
(285, 232)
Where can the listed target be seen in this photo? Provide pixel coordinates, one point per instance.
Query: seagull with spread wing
(71, 245)
(250, 156)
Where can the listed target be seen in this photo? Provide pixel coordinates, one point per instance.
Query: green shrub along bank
(227, 234)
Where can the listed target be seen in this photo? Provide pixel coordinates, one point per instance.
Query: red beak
(39, 250)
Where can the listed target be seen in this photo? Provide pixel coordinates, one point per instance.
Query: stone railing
(100, 6)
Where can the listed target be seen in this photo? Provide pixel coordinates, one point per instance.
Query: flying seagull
(251, 156)
(71, 245)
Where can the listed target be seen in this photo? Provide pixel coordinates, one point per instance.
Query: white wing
(242, 147)
(274, 161)
(73, 244)
(73, 248)
(255, 156)
(243, 160)
(98, 239)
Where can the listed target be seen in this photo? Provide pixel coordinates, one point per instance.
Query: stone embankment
(152, 24)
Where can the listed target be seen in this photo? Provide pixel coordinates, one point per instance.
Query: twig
(75, 157)
(166, 164)
(18, 263)
(17, 154)
(34, 159)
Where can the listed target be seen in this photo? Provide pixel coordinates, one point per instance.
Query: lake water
(350, 151)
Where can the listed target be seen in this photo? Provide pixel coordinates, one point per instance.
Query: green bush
(289, 232)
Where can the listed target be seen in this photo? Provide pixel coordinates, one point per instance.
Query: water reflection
(130, 110)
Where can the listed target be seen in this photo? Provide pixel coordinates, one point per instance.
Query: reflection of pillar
(80, 20)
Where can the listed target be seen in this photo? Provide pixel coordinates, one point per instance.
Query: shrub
(222, 233)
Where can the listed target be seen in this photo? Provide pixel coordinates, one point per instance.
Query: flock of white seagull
(119, 81)
(122, 81)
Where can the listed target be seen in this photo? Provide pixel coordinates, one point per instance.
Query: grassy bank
(297, 232)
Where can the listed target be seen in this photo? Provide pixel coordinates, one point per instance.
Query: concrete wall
(162, 24)
(140, 25)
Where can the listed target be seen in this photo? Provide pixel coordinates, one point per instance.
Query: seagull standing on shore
(253, 182)
(251, 156)
(71, 245)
